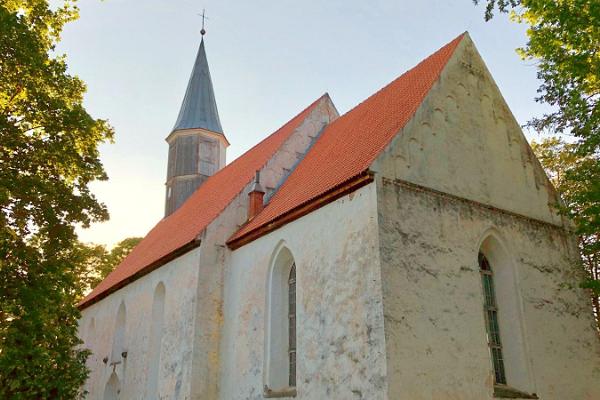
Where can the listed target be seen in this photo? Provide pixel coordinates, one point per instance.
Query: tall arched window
(90, 333)
(156, 334)
(503, 320)
(90, 338)
(292, 326)
(491, 319)
(280, 340)
(119, 337)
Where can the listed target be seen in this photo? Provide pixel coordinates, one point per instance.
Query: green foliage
(564, 40)
(503, 6)
(575, 177)
(96, 262)
(48, 156)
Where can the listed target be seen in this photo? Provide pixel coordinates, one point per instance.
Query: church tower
(197, 143)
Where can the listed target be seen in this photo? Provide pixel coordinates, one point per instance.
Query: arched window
(156, 334)
(491, 319)
(281, 319)
(89, 333)
(503, 320)
(119, 337)
(89, 339)
(292, 326)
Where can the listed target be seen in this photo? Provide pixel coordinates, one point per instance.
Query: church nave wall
(130, 309)
(340, 348)
(215, 256)
(433, 300)
(464, 140)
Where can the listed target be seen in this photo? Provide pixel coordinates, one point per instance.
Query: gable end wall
(464, 142)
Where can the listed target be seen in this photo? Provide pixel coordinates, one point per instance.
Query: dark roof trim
(335, 193)
(145, 271)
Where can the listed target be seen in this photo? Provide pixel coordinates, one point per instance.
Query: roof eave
(191, 131)
(144, 271)
(351, 185)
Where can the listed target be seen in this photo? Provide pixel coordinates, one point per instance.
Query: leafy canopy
(48, 157)
(569, 172)
(564, 41)
(96, 261)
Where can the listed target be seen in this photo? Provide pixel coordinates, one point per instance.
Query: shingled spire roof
(199, 108)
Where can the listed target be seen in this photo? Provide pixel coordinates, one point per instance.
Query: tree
(96, 262)
(569, 172)
(564, 41)
(48, 157)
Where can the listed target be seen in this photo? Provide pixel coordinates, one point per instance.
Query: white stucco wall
(465, 142)
(190, 357)
(433, 301)
(209, 313)
(339, 314)
(180, 278)
(389, 298)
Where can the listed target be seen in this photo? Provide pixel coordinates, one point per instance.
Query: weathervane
(204, 17)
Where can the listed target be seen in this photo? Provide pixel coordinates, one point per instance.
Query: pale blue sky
(268, 60)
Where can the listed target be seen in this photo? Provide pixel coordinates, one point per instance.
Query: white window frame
(277, 361)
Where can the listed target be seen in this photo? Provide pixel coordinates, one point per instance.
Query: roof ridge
(403, 74)
(354, 140)
(275, 131)
(237, 160)
(181, 228)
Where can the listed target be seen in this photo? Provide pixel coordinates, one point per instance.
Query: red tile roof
(180, 229)
(351, 143)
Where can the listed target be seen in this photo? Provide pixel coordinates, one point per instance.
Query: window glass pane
(292, 381)
(487, 289)
(498, 365)
(491, 314)
(292, 325)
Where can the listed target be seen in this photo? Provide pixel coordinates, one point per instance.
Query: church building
(407, 250)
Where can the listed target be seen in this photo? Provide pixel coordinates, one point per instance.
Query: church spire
(197, 144)
(199, 107)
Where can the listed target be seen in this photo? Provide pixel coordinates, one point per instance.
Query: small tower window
(491, 319)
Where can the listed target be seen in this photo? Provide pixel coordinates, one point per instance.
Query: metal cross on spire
(204, 17)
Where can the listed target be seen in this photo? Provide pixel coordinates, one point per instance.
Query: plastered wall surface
(465, 142)
(389, 298)
(210, 315)
(339, 314)
(433, 301)
(180, 278)
(194, 298)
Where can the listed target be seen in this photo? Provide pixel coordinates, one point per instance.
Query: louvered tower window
(292, 325)
(491, 319)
